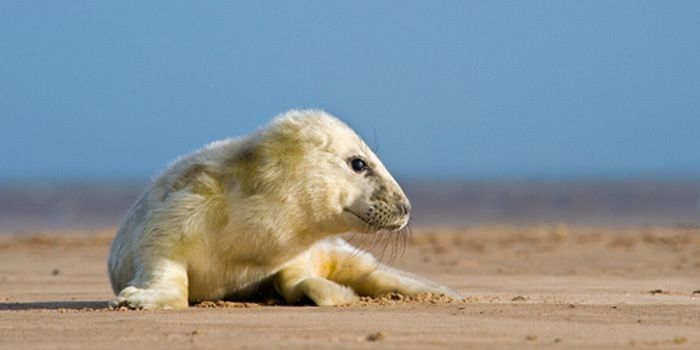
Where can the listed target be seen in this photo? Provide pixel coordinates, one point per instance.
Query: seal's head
(322, 168)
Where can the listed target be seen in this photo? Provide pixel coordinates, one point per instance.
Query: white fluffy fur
(238, 212)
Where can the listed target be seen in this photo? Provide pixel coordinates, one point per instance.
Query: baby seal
(238, 213)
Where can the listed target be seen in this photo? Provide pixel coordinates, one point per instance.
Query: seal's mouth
(392, 227)
(374, 226)
(357, 216)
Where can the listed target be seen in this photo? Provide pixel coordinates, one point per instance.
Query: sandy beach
(524, 287)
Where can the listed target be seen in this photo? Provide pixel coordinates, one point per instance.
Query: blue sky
(511, 89)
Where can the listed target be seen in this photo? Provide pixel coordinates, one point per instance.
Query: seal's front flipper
(162, 284)
(298, 281)
(334, 273)
(384, 279)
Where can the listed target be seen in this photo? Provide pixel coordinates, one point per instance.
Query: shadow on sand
(54, 305)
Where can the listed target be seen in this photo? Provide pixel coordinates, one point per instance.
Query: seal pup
(266, 208)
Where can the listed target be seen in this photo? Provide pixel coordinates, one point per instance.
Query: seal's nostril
(404, 208)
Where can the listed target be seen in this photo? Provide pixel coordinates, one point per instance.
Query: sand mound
(399, 299)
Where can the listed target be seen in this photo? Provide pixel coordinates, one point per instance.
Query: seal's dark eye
(358, 165)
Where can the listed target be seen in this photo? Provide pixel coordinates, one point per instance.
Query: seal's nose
(404, 208)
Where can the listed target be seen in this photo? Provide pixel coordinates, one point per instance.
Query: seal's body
(240, 212)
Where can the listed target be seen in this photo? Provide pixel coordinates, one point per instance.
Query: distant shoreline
(63, 205)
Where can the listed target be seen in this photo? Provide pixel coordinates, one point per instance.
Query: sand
(525, 287)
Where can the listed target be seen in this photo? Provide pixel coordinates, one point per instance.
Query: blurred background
(487, 112)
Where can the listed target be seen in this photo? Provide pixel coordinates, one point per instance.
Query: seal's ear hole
(358, 164)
